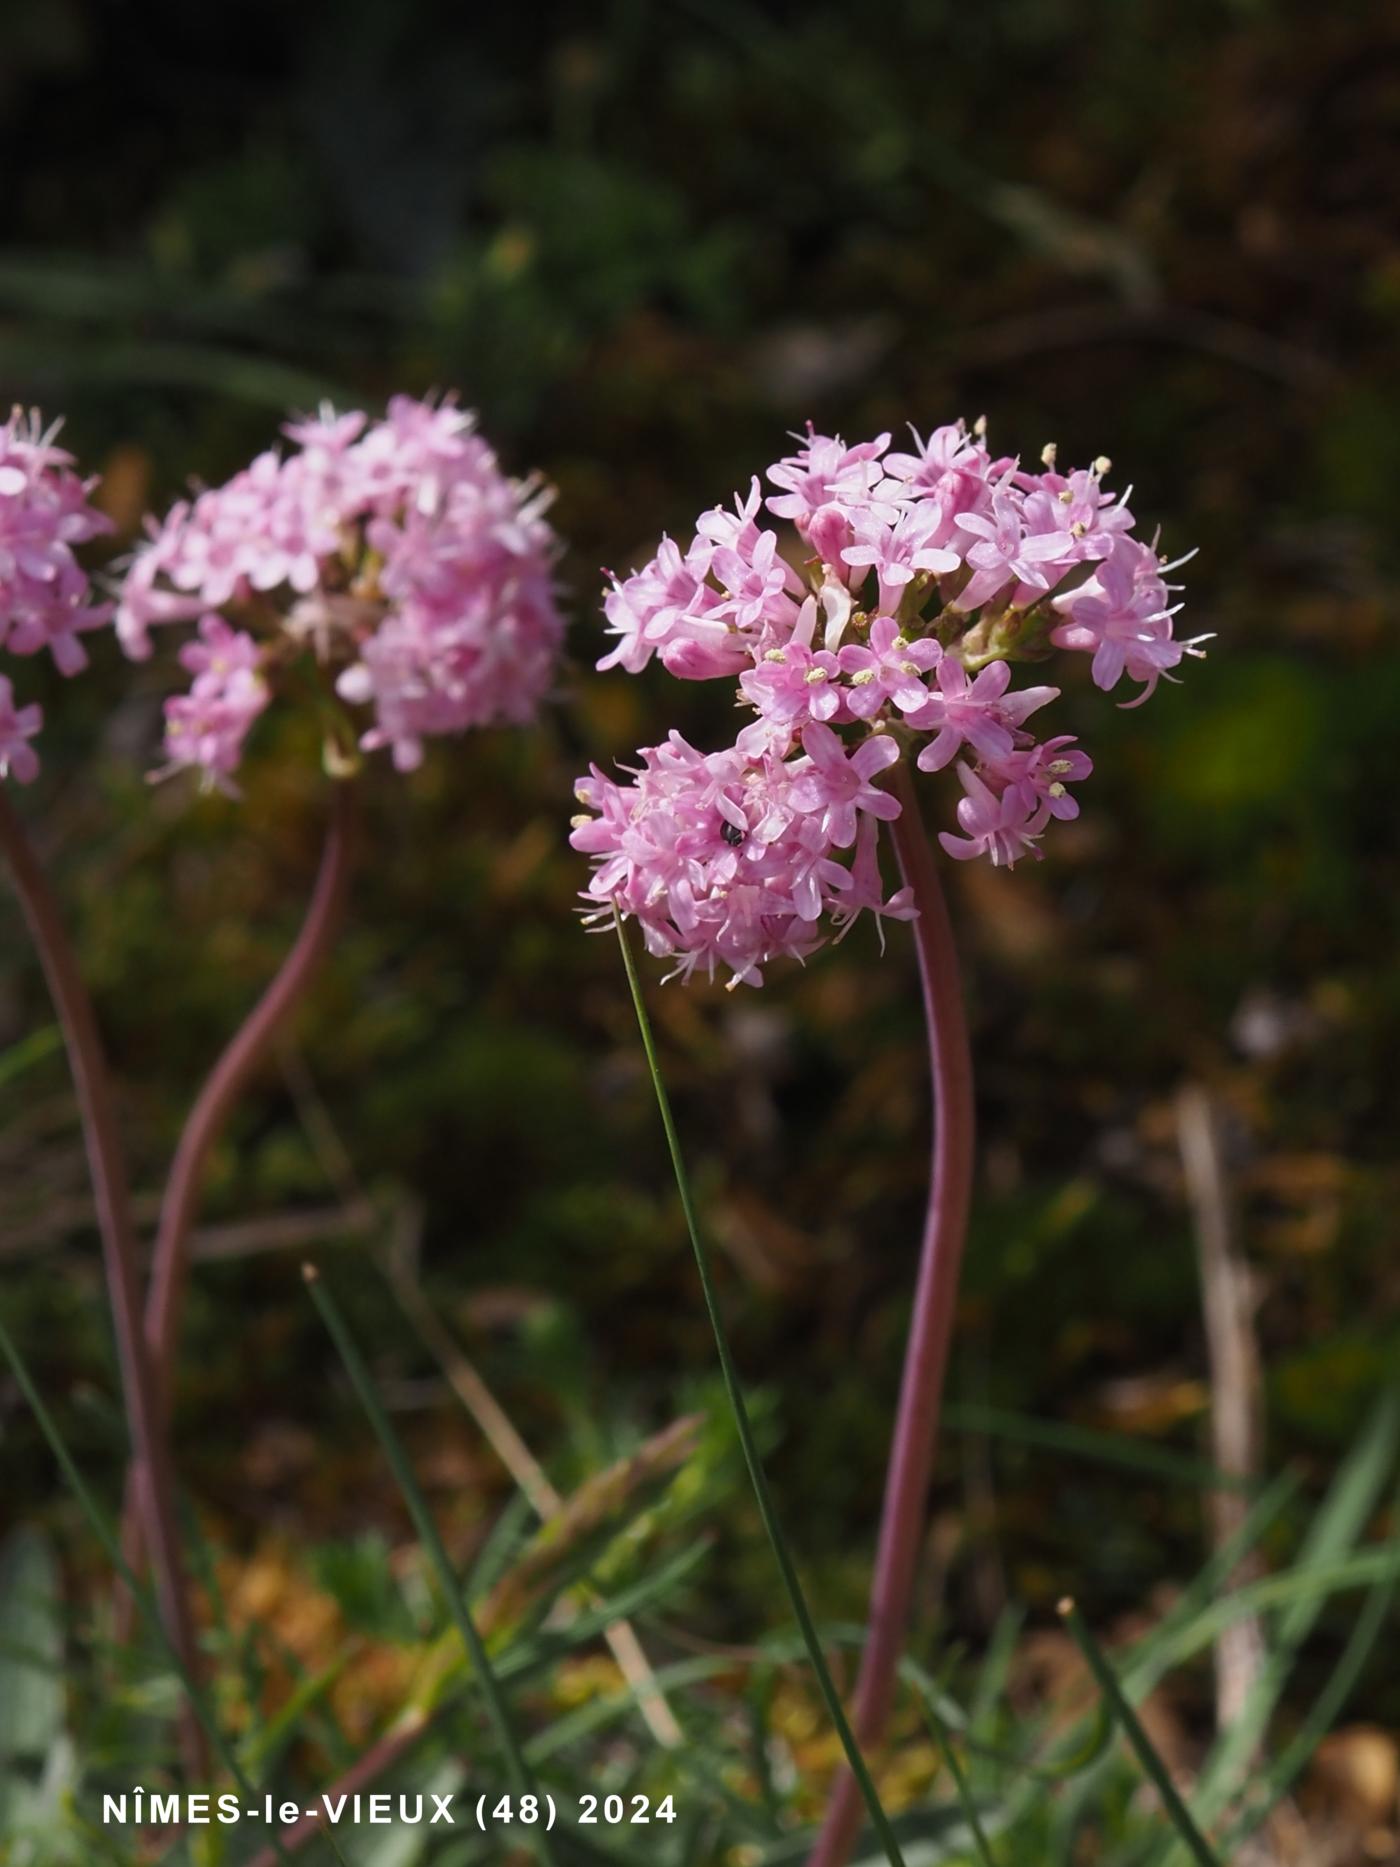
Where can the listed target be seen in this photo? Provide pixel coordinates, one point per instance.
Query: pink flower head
(394, 553)
(978, 566)
(45, 594)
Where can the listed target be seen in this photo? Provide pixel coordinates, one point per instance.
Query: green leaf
(359, 1577)
(31, 1647)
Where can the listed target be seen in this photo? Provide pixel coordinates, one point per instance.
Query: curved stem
(205, 1122)
(140, 1390)
(935, 1300)
(227, 1080)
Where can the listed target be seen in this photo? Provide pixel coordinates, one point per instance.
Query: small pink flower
(1043, 771)
(1004, 827)
(824, 472)
(205, 729)
(890, 669)
(1124, 618)
(980, 713)
(1076, 506)
(720, 860)
(898, 552)
(838, 787)
(1006, 553)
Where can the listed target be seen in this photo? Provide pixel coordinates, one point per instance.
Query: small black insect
(732, 835)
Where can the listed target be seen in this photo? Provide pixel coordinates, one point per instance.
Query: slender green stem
(111, 1547)
(517, 1770)
(960, 1783)
(1143, 1748)
(735, 1392)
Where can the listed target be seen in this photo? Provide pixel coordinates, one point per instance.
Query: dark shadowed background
(646, 241)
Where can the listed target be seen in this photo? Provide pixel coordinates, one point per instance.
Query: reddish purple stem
(155, 1498)
(935, 1300)
(205, 1122)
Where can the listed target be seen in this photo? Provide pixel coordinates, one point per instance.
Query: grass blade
(1339, 1522)
(1282, 1770)
(1146, 1754)
(739, 1407)
(1083, 1442)
(517, 1769)
(29, 1051)
(969, 1807)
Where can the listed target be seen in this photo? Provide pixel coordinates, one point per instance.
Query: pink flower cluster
(395, 554)
(884, 622)
(45, 596)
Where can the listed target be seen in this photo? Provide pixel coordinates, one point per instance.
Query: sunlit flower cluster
(45, 596)
(884, 622)
(389, 562)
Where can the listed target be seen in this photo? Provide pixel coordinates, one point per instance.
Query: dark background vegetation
(645, 241)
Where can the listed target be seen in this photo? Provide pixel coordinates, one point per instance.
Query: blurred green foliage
(645, 240)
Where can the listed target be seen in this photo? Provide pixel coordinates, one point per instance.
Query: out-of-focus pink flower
(45, 594)
(395, 553)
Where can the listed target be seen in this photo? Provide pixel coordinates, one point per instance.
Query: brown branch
(1236, 1388)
